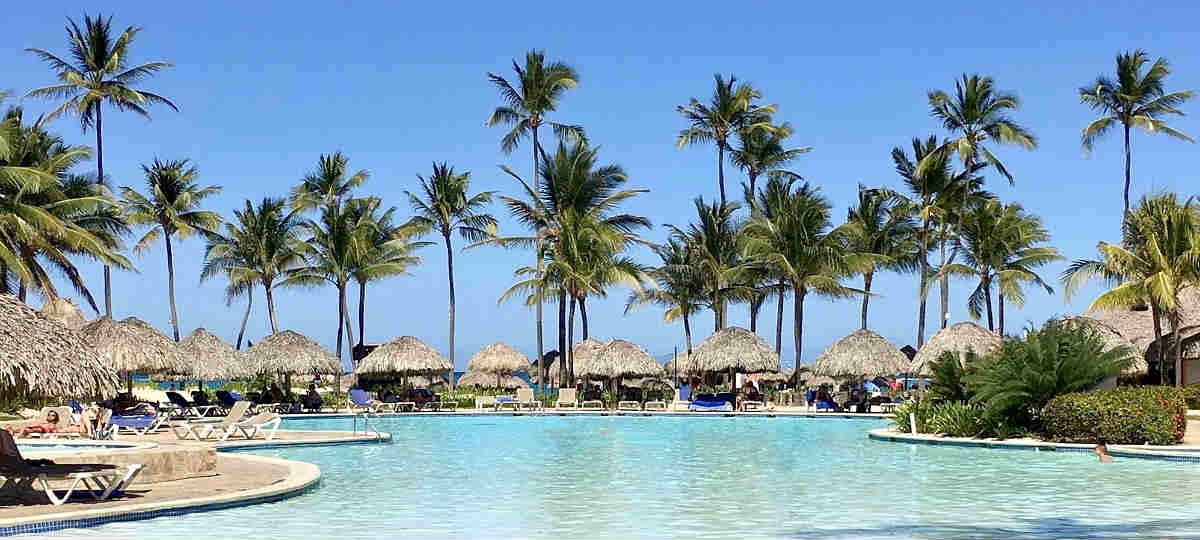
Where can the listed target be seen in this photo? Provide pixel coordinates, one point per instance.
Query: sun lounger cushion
(710, 406)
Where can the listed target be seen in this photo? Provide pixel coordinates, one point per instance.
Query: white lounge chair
(566, 398)
(201, 429)
(250, 427)
(64, 422)
(591, 404)
(677, 403)
(629, 405)
(485, 402)
(525, 399)
(508, 401)
(655, 406)
(100, 481)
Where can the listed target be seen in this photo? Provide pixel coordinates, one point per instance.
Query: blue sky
(264, 88)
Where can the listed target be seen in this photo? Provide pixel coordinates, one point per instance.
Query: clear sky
(264, 88)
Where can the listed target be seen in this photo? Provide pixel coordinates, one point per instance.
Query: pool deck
(1186, 452)
(776, 412)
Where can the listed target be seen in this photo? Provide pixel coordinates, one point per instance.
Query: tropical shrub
(1192, 395)
(921, 409)
(1145, 415)
(958, 419)
(1019, 379)
(948, 378)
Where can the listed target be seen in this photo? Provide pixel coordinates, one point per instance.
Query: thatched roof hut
(584, 356)
(498, 358)
(620, 358)
(133, 346)
(1112, 339)
(64, 311)
(292, 353)
(958, 338)
(813, 381)
(783, 376)
(863, 353)
(687, 366)
(209, 357)
(735, 348)
(406, 355)
(42, 356)
(1137, 326)
(490, 380)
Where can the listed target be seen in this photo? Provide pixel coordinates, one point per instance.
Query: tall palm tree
(761, 151)
(715, 242)
(445, 205)
(171, 207)
(797, 239)
(100, 74)
(1161, 260)
(385, 250)
(731, 109)
(537, 92)
(679, 287)
(329, 182)
(1133, 99)
(881, 233)
(259, 247)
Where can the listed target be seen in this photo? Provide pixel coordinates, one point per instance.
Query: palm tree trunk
(867, 277)
(271, 307)
(1177, 348)
(348, 322)
(753, 174)
(538, 253)
(687, 334)
(1128, 164)
(171, 283)
(450, 276)
(1156, 317)
(798, 331)
(583, 315)
(341, 316)
(570, 364)
(756, 303)
(100, 180)
(246, 317)
(562, 339)
(1000, 306)
(923, 280)
(22, 292)
(987, 297)
(721, 169)
(362, 300)
(779, 321)
(944, 284)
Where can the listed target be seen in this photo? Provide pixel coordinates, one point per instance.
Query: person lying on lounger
(53, 424)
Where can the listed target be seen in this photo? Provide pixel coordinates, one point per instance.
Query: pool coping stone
(1171, 453)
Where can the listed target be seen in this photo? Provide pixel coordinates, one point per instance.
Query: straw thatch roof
(687, 365)
(620, 358)
(406, 355)
(1138, 326)
(490, 380)
(292, 353)
(42, 356)
(210, 357)
(775, 377)
(863, 353)
(958, 338)
(735, 348)
(648, 382)
(132, 345)
(584, 357)
(814, 381)
(426, 381)
(498, 358)
(64, 311)
(1112, 339)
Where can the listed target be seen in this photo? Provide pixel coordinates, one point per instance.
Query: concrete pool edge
(585, 412)
(301, 477)
(1170, 453)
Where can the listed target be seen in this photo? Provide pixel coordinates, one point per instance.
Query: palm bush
(948, 378)
(958, 419)
(922, 411)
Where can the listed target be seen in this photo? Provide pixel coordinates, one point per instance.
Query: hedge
(1151, 415)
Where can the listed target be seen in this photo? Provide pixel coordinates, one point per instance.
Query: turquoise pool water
(637, 477)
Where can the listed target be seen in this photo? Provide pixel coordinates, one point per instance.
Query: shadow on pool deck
(1051, 527)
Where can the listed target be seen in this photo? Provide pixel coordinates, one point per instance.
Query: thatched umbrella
(64, 311)
(133, 346)
(584, 356)
(734, 350)
(682, 365)
(780, 377)
(958, 338)
(210, 357)
(820, 380)
(490, 380)
(619, 358)
(497, 359)
(863, 353)
(405, 355)
(1112, 339)
(39, 355)
(291, 353)
(1137, 326)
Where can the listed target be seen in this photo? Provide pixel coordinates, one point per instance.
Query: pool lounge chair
(64, 419)
(485, 402)
(566, 399)
(202, 429)
(655, 405)
(188, 408)
(139, 425)
(711, 403)
(250, 427)
(629, 405)
(507, 401)
(100, 481)
(593, 404)
(362, 401)
(525, 399)
(680, 402)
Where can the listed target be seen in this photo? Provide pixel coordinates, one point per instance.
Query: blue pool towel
(710, 406)
(827, 405)
(505, 399)
(137, 422)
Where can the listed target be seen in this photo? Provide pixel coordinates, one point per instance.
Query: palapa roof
(1112, 339)
(783, 376)
(292, 352)
(498, 358)
(132, 345)
(64, 311)
(210, 357)
(735, 348)
(490, 380)
(818, 380)
(621, 358)
(957, 338)
(42, 356)
(406, 355)
(863, 353)
(687, 365)
(584, 359)
(1138, 326)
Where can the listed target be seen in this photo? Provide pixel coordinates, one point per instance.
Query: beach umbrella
(1113, 339)
(620, 358)
(64, 311)
(133, 346)
(209, 357)
(42, 356)
(863, 353)
(490, 380)
(405, 355)
(291, 353)
(685, 365)
(498, 359)
(735, 349)
(584, 358)
(957, 338)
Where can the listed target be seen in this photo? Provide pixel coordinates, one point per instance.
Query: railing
(367, 427)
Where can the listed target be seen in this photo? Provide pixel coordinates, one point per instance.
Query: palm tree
(259, 249)
(385, 250)
(731, 109)
(793, 234)
(762, 151)
(1162, 260)
(171, 207)
(539, 87)
(100, 74)
(881, 233)
(326, 184)
(715, 242)
(680, 289)
(446, 205)
(1133, 99)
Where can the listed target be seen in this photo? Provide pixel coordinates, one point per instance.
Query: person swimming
(1102, 452)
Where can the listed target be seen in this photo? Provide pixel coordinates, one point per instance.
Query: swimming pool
(608, 477)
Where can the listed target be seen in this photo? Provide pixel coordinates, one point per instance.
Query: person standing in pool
(1102, 451)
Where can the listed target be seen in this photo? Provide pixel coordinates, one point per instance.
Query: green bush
(957, 419)
(1192, 395)
(921, 409)
(1150, 414)
(948, 378)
